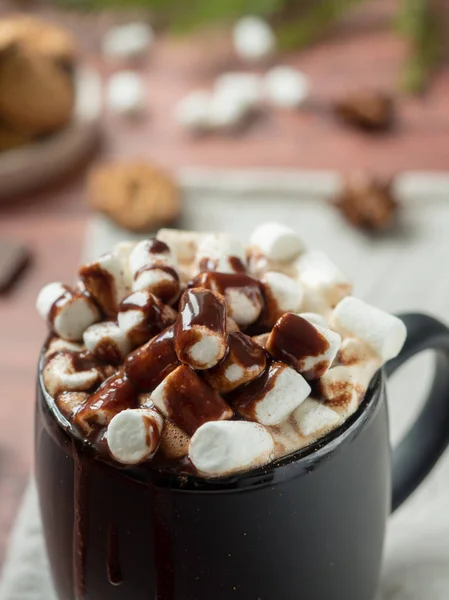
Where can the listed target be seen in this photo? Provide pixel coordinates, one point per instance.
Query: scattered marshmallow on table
(62, 374)
(286, 87)
(200, 330)
(272, 397)
(253, 39)
(221, 252)
(307, 348)
(244, 362)
(225, 447)
(108, 280)
(382, 332)
(242, 88)
(314, 417)
(142, 315)
(188, 401)
(107, 341)
(133, 435)
(127, 42)
(277, 242)
(323, 283)
(282, 294)
(227, 113)
(68, 311)
(152, 267)
(125, 93)
(193, 111)
(243, 295)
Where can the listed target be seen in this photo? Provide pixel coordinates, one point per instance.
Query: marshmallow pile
(193, 350)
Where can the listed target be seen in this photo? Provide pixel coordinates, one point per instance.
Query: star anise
(367, 202)
(369, 110)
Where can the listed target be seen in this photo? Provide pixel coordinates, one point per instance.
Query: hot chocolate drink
(193, 353)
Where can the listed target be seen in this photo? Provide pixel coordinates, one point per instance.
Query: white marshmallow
(123, 251)
(48, 296)
(323, 283)
(244, 362)
(127, 42)
(173, 397)
(276, 241)
(384, 333)
(244, 310)
(142, 256)
(253, 39)
(291, 341)
(147, 271)
(314, 417)
(206, 351)
(130, 320)
(107, 341)
(354, 351)
(183, 244)
(69, 402)
(286, 87)
(314, 318)
(216, 249)
(283, 292)
(73, 313)
(242, 88)
(74, 316)
(199, 341)
(158, 281)
(312, 363)
(226, 111)
(282, 392)
(192, 112)
(58, 344)
(113, 267)
(224, 447)
(133, 435)
(125, 93)
(343, 388)
(146, 318)
(60, 375)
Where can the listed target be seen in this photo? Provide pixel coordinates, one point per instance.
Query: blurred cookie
(36, 96)
(9, 138)
(137, 196)
(39, 37)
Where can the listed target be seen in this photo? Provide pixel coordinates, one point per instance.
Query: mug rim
(300, 462)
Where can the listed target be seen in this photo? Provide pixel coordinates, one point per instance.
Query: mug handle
(425, 442)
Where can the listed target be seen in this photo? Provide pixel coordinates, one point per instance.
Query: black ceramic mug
(309, 527)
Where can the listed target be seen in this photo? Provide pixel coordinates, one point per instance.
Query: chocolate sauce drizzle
(80, 521)
(293, 339)
(54, 309)
(114, 568)
(163, 543)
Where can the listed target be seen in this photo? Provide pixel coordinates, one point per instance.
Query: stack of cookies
(37, 62)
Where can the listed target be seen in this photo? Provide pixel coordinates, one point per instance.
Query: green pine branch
(300, 22)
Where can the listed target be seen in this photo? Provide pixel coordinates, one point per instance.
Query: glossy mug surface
(308, 527)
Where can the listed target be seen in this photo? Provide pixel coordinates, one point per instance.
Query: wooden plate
(25, 168)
